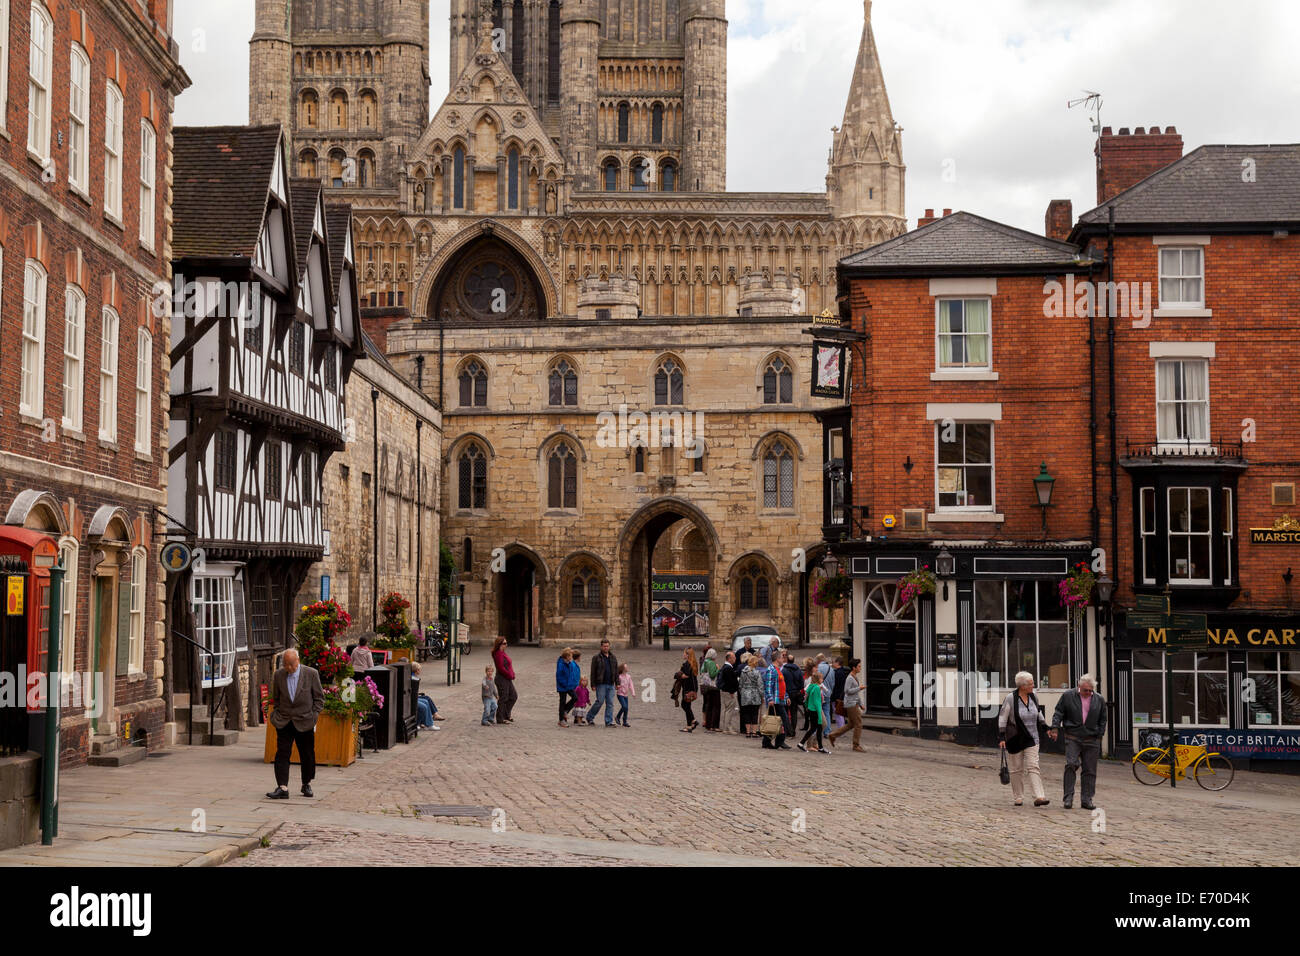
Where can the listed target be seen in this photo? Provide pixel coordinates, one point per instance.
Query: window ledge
(114, 221)
(4, 133)
(41, 161)
(560, 513)
(74, 433)
(143, 456)
(134, 677)
(80, 194)
(1183, 312)
(779, 511)
(34, 420)
(989, 517)
(110, 445)
(963, 375)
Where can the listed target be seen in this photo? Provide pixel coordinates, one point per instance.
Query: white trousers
(1022, 765)
(730, 722)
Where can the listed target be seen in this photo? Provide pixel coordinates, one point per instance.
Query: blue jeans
(489, 710)
(425, 708)
(621, 716)
(605, 696)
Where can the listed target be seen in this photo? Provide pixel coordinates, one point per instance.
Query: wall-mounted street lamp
(1105, 590)
(1043, 483)
(945, 565)
(830, 564)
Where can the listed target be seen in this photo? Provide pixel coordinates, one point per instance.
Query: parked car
(760, 636)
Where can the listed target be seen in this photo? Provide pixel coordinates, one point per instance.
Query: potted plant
(913, 584)
(345, 699)
(393, 633)
(832, 592)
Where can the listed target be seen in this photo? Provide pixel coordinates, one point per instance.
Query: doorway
(891, 648)
(104, 641)
(518, 600)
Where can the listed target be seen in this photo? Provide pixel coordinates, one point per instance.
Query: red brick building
(85, 131)
(964, 388)
(1199, 469)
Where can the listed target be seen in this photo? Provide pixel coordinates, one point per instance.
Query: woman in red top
(506, 693)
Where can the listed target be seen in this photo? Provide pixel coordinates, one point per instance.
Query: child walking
(582, 698)
(624, 694)
(489, 697)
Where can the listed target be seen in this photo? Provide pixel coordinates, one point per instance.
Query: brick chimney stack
(930, 217)
(1060, 219)
(1125, 158)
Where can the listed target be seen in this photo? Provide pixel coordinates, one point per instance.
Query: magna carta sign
(1285, 530)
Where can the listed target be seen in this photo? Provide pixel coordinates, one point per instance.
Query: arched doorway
(668, 572)
(519, 598)
(891, 646)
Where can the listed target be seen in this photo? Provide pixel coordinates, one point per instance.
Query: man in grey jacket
(1081, 713)
(297, 699)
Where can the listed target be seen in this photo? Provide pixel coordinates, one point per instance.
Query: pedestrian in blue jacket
(567, 675)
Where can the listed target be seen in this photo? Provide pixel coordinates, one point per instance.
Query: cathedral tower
(864, 182)
(349, 82)
(579, 50)
(704, 127)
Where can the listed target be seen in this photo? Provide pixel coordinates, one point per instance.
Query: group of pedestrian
(761, 692)
(608, 681)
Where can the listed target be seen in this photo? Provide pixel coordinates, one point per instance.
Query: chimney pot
(947, 212)
(1140, 131)
(929, 214)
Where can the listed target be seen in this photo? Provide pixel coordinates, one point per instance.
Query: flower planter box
(401, 654)
(336, 742)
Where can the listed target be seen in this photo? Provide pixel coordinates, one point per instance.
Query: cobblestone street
(904, 801)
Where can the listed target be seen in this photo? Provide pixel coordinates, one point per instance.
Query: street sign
(14, 597)
(1143, 619)
(1151, 603)
(1187, 630)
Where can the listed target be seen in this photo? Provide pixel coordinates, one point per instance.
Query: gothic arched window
(778, 382)
(473, 478)
(458, 178)
(611, 175)
(668, 178)
(512, 179)
(640, 170)
(562, 477)
(309, 109)
(365, 168)
(563, 384)
(624, 114)
(339, 109)
(755, 588)
(473, 385)
(585, 593)
(369, 109)
(307, 164)
(778, 476)
(657, 124)
(669, 382)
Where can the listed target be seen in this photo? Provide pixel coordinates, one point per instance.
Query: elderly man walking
(296, 700)
(1081, 714)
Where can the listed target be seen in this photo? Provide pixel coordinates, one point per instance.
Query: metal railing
(1217, 449)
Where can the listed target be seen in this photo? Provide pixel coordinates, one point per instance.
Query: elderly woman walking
(751, 693)
(1020, 723)
(709, 691)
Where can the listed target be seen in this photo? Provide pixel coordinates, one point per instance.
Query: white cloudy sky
(979, 86)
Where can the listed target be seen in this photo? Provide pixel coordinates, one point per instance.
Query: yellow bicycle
(1213, 771)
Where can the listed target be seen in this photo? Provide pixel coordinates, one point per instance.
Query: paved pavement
(647, 795)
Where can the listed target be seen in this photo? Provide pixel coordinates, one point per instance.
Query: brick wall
(1125, 158)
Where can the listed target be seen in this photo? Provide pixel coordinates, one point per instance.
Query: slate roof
(962, 241)
(303, 196)
(221, 176)
(1208, 186)
(338, 220)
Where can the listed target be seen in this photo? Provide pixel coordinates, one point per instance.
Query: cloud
(983, 85)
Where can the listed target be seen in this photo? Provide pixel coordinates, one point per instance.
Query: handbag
(1004, 774)
(707, 682)
(770, 724)
(690, 696)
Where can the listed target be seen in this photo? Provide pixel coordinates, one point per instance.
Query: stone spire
(866, 172)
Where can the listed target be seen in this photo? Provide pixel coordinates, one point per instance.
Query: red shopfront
(26, 626)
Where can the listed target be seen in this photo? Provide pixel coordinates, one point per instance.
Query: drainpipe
(419, 520)
(374, 512)
(1114, 464)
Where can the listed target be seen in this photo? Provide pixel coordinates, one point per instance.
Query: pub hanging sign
(828, 369)
(1285, 530)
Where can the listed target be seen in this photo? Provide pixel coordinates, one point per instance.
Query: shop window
(1200, 688)
(214, 627)
(1275, 687)
(1022, 626)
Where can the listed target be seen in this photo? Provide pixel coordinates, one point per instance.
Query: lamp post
(1043, 483)
(945, 565)
(1105, 594)
(830, 564)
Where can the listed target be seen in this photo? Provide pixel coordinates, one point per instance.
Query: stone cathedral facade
(554, 248)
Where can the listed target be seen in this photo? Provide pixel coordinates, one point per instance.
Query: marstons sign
(1285, 530)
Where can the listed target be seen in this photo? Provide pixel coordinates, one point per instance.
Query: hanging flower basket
(832, 592)
(913, 584)
(393, 632)
(1076, 590)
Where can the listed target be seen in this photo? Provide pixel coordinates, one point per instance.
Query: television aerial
(1092, 102)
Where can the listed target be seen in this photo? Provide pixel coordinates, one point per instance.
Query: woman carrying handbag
(689, 686)
(1020, 724)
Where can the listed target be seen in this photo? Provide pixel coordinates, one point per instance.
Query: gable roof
(221, 176)
(1208, 187)
(963, 244)
(338, 223)
(304, 197)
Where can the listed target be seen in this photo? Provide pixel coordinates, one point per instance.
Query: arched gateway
(638, 544)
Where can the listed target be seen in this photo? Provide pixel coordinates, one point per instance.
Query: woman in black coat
(688, 684)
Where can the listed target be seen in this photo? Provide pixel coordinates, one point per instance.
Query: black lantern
(1043, 483)
(945, 565)
(1105, 589)
(830, 564)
